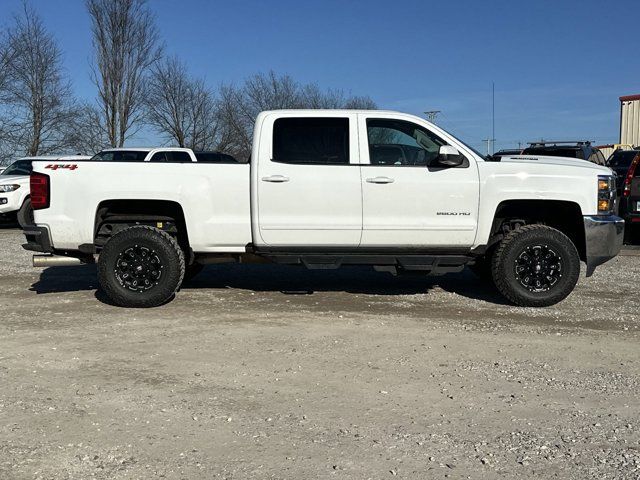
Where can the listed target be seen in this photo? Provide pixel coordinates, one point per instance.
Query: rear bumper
(38, 239)
(603, 238)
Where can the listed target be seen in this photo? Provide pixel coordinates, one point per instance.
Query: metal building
(630, 119)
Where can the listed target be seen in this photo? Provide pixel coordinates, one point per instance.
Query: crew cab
(326, 188)
(15, 202)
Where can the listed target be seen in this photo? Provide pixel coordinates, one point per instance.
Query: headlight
(606, 194)
(8, 188)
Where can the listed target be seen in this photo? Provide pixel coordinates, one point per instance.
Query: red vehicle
(630, 183)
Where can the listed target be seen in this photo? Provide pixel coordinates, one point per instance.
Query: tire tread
(111, 289)
(501, 279)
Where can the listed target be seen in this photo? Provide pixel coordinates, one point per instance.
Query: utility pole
(432, 114)
(493, 113)
(489, 144)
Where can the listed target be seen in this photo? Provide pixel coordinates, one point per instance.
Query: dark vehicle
(620, 162)
(580, 149)
(630, 200)
(214, 157)
(19, 167)
(507, 152)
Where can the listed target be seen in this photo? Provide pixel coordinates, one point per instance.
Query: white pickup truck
(325, 189)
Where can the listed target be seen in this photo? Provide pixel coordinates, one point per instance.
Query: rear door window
(313, 141)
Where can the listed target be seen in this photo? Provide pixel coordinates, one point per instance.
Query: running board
(432, 264)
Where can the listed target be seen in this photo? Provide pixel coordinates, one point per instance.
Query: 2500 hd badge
(454, 214)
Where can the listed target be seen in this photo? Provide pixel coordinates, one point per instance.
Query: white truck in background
(325, 189)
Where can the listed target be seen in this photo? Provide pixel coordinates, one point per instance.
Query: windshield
(484, 157)
(21, 167)
(120, 156)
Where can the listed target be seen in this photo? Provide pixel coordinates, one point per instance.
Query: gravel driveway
(271, 372)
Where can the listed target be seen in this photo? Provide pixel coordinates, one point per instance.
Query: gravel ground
(271, 372)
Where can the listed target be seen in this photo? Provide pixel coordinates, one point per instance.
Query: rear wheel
(25, 214)
(535, 266)
(141, 267)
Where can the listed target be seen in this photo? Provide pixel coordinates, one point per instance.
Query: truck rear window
(311, 141)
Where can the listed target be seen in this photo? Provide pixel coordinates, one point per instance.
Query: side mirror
(449, 156)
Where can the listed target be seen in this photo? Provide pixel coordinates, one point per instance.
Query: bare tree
(314, 97)
(37, 96)
(360, 103)
(126, 46)
(182, 108)
(88, 135)
(204, 133)
(167, 100)
(5, 147)
(239, 106)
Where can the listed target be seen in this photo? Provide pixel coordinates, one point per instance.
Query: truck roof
(312, 111)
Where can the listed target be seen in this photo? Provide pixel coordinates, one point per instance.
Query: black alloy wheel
(535, 266)
(538, 268)
(141, 267)
(138, 268)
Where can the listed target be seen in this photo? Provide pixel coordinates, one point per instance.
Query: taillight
(630, 174)
(40, 194)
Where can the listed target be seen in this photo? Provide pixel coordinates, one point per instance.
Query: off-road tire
(503, 265)
(191, 271)
(25, 214)
(169, 254)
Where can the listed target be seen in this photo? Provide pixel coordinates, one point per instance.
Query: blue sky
(558, 66)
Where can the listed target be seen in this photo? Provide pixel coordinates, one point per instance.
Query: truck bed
(215, 199)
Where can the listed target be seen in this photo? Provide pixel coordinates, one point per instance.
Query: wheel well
(113, 216)
(561, 215)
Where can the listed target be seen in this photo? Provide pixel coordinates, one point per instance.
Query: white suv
(15, 201)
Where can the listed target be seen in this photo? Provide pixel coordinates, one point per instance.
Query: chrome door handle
(380, 180)
(275, 179)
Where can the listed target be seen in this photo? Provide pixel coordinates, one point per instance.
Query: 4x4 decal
(56, 166)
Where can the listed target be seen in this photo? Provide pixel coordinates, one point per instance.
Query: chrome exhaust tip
(55, 261)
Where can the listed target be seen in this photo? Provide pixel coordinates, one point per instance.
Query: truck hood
(562, 161)
(14, 179)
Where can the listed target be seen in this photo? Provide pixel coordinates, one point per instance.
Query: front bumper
(603, 239)
(38, 239)
(10, 202)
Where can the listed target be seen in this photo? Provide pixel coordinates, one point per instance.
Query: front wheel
(141, 267)
(535, 266)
